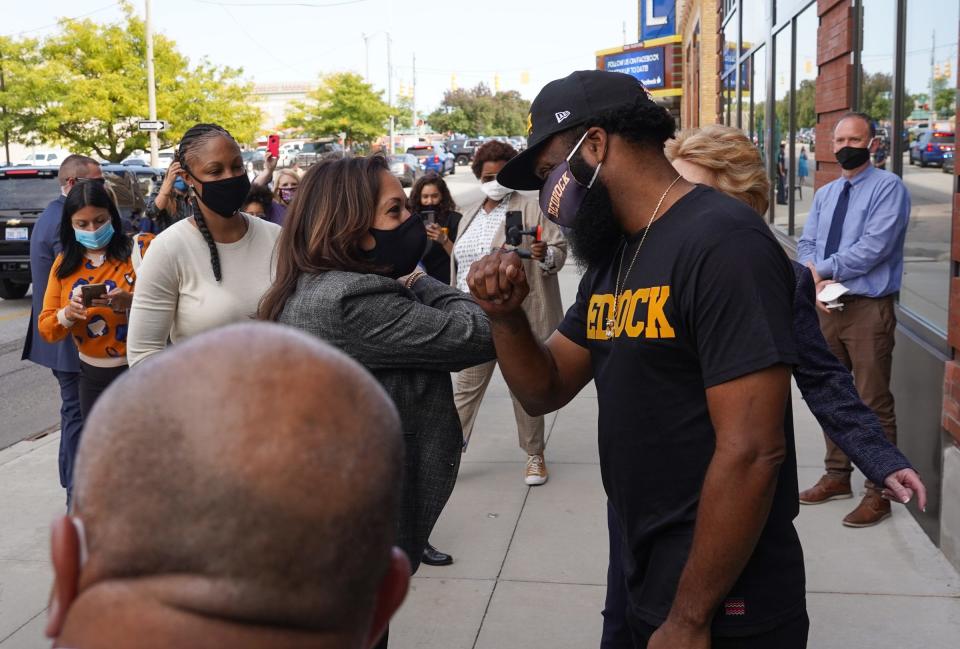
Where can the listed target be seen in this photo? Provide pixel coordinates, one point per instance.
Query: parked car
(288, 154)
(949, 159)
(518, 143)
(164, 158)
(313, 152)
(44, 158)
(406, 168)
(463, 149)
(433, 157)
(930, 146)
(25, 191)
(254, 161)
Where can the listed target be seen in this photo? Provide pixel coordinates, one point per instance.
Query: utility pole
(6, 134)
(366, 56)
(414, 100)
(151, 89)
(933, 77)
(390, 90)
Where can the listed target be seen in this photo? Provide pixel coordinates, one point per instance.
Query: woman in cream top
(209, 270)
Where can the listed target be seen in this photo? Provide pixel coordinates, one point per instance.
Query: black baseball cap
(564, 104)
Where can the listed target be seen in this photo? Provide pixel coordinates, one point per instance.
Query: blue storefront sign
(658, 18)
(645, 65)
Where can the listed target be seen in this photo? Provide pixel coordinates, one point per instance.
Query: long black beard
(596, 234)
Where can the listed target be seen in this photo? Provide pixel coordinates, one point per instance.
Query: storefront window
(756, 18)
(757, 93)
(783, 166)
(876, 63)
(930, 128)
(805, 116)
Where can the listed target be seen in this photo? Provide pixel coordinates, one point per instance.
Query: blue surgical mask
(180, 185)
(97, 239)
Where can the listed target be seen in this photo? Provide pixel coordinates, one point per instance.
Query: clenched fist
(498, 283)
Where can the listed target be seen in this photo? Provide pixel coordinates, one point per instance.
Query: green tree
(478, 111)
(89, 90)
(343, 103)
(806, 104)
(944, 98)
(17, 59)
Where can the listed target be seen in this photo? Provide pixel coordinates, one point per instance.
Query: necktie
(836, 224)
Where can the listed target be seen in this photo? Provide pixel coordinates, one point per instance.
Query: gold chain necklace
(611, 323)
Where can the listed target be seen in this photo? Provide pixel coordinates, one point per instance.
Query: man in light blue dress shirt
(854, 235)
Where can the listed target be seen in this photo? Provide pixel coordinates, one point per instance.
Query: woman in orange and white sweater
(95, 251)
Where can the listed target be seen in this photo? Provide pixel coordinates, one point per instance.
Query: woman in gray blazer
(347, 273)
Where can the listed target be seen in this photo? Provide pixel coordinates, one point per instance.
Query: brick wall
(834, 81)
(951, 382)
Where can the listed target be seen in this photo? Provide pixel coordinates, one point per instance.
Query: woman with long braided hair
(211, 269)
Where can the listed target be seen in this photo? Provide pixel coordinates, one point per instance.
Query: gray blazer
(410, 340)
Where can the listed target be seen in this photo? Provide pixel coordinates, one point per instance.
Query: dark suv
(26, 191)
(314, 152)
(463, 149)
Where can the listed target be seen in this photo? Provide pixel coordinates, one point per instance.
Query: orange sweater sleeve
(54, 299)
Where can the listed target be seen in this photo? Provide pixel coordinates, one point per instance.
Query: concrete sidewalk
(531, 562)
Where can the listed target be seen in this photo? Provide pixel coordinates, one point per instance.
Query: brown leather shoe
(827, 488)
(871, 510)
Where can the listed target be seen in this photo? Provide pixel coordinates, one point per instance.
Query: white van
(44, 158)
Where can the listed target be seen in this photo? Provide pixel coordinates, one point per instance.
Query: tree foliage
(343, 103)
(87, 89)
(478, 111)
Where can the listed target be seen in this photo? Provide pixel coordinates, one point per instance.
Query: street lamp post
(366, 44)
(151, 89)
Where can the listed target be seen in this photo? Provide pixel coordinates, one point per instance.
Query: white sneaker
(536, 471)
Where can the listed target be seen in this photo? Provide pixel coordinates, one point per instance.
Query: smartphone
(273, 145)
(513, 227)
(90, 292)
(429, 217)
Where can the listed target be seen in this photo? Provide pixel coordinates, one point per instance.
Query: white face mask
(494, 190)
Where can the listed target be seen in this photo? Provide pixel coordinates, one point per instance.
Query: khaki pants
(469, 388)
(862, 337)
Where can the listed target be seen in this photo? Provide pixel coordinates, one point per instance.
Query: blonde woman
(723, 158)
(284, 188)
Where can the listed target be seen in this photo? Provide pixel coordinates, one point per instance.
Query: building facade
(784, 71)
(276, 100)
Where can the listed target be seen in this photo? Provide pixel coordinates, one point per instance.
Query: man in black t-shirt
(683, 320)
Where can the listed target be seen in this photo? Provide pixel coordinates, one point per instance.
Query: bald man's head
(77, 166)
(249, 474)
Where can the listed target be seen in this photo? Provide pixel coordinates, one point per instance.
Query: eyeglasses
(101, 180)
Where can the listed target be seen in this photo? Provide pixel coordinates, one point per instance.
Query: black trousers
(792, 634)
(618, 633)
(93, 382)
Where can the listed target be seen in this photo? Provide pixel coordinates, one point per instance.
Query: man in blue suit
(60, 357)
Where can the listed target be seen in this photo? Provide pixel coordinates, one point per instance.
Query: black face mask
(399, 250)
(225, 196)
(851, 157)
(595, 233)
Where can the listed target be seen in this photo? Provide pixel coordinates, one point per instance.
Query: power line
(37, 29)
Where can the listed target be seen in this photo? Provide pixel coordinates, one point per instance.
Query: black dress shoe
(433, 557)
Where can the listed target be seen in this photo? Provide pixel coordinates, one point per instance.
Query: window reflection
(804, 153)
(757, 92)
(784, 167)
(928, 131)
(756, 17)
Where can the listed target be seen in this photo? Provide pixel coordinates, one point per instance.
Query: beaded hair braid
(192, 139)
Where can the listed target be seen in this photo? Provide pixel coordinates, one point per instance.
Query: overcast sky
(297, 40)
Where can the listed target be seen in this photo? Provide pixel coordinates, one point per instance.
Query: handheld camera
(515, 233)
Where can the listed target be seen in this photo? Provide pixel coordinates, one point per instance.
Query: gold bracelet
(414, 276)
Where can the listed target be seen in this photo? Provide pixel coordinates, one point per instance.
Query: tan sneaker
(827, 488)
(536, 472)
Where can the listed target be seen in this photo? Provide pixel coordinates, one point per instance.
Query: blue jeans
(71, 423)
